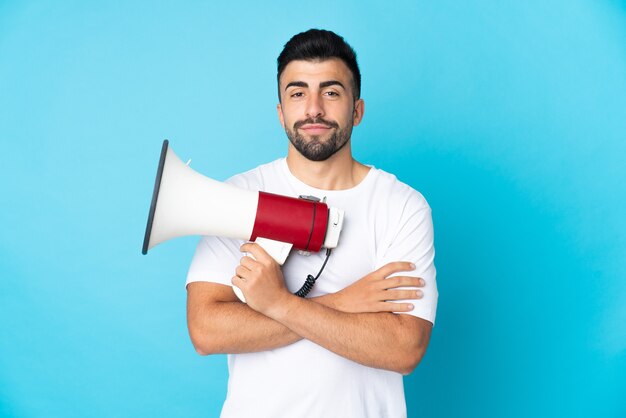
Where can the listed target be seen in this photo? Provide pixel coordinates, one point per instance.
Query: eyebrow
(296, 84)
(322, 84)
(331, 83)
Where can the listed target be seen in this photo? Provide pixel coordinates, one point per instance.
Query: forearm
(381, 340)
(232, 327)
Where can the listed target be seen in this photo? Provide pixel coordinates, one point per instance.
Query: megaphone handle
(276, 249)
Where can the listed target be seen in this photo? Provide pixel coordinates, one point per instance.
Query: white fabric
(385, 220)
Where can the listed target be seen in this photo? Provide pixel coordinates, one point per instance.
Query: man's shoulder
(256, 178)
(397, 192)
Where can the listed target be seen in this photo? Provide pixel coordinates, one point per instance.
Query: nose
(314, 107)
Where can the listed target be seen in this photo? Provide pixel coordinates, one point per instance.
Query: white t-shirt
(385, 221)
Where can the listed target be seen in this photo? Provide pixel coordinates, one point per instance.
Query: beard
(316, 148)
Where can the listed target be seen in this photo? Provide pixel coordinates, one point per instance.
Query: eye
(331, 93)
(297, 94)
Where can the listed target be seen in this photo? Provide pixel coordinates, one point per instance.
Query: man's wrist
(330, 300)
(282, 307)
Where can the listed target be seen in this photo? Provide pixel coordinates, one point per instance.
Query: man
(342, 351)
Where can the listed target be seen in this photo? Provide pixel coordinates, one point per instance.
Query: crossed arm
(357, 322)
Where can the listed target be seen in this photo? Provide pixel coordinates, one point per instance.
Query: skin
(359, 322)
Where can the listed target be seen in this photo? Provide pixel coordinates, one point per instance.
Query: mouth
(315, 128)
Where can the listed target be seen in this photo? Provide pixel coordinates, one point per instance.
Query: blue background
(510, 117)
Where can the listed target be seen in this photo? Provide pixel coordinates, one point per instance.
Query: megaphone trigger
(239, 294)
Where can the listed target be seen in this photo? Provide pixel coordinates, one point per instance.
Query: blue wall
(510, 118)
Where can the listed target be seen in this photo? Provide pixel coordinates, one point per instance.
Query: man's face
(317, 107)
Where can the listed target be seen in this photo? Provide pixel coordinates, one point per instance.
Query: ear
(281, 118)
(359, 110)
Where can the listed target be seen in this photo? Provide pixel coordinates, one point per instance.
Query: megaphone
(185, 202)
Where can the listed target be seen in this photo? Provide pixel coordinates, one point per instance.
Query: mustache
(317, 121)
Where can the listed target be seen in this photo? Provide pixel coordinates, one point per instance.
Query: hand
(374, 292)
(260, 279)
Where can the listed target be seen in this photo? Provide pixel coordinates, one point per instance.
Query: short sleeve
(412, 239)
(215, 260)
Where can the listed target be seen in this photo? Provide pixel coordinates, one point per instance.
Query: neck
(339, 172)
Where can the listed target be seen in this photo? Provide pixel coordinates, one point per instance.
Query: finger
(238, 281)
(242, 272)
(248, 262)
(395, 267)
(256, 250)
(395, 307)
(403, 294)
(401, 281)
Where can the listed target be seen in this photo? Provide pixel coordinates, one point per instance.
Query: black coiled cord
(310, 280)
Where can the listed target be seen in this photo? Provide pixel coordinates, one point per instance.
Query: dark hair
(319, 44)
